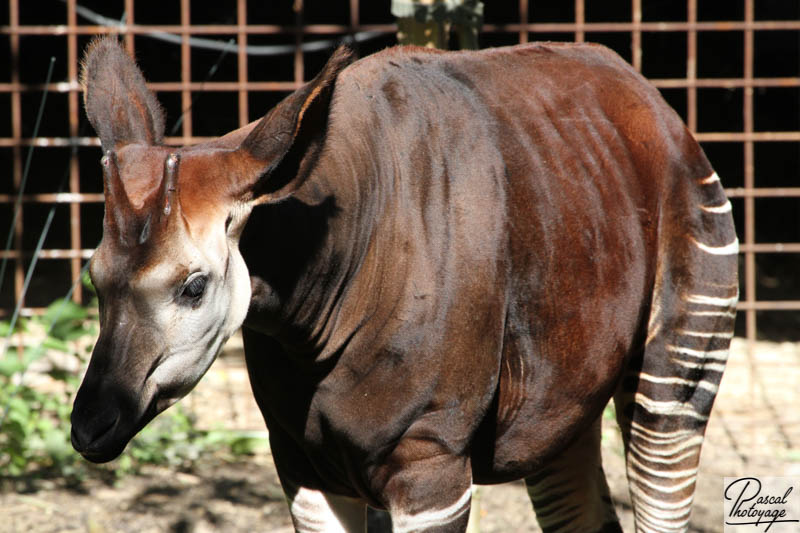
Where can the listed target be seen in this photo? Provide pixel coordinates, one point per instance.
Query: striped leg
(317, 512)
(665, 399)
(571, 493)
(452, 518)
(424, 489)
(662, 413)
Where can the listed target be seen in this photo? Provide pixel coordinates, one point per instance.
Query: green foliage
(172, 439)
(33, 432)
(34, 420)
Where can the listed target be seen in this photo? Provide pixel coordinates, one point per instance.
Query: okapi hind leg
(570, 494)
(662, 411)
(665, 398)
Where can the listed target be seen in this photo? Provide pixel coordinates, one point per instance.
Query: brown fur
(453, 258)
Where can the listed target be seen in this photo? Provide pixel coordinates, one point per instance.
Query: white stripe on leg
(316, 512)
(429, 519)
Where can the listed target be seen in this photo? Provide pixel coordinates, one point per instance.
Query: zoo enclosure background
(730, 69)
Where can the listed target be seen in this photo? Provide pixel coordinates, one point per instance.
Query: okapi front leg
(571, 493)
(431, 492)
(314, 511)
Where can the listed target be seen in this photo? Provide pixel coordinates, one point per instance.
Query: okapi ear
(119, 105)
(283, 146)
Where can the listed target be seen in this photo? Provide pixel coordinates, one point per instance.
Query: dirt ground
(754, 430)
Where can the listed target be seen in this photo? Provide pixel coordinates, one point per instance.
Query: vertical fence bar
(749, 206)
(636, 35)
(749, 176)
(523, 20)
(242, 77)
(298, 42)
(580, 19)
(691, 66)
(74, 170)
(186, 72)
(16, 133)
(354, 17)
(129, 21)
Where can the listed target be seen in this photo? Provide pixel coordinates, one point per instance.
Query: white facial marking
(429, 519)
(194, 335)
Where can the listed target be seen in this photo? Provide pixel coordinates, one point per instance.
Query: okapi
(445, 264)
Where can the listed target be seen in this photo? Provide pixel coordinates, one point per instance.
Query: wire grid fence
(218, 68)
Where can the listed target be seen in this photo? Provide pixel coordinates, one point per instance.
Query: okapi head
(171, 282)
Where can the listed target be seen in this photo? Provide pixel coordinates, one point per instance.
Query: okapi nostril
(88, 433)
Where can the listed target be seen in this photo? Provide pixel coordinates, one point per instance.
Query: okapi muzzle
(116, 398)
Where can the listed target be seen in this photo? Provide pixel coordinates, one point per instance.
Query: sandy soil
(754, 430)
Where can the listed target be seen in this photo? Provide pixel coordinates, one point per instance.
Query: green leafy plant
(34, 419)
(173, 439)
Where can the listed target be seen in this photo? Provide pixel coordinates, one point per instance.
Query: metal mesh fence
(731, 69)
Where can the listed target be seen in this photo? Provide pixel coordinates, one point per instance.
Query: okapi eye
(195, 287)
